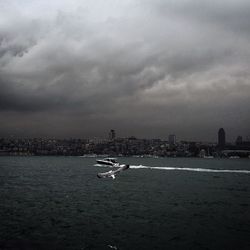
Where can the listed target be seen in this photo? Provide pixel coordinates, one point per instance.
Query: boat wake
(207, 170)
(193, 169)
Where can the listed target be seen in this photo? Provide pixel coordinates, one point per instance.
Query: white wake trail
(193, 169)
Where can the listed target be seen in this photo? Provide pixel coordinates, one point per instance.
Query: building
(221, 138)
(239, 140)
(172, 140)
(112, 134)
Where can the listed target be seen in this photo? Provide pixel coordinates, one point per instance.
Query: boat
(208, 157)
(108, 161)
(234, 157)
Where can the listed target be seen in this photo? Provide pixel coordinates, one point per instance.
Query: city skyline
(132, 146)
(111, 135)
(145, 68)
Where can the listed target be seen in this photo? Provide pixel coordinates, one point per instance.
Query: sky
(147, 68)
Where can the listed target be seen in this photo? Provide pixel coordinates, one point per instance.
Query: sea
(159, 203)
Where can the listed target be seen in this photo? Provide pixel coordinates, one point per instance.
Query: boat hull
(105, 162)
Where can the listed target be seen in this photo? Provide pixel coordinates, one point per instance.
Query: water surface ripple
(59, 203)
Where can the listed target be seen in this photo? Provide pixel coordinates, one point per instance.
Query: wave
(193, 169)
(207, 170)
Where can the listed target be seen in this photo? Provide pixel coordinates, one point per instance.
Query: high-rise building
(239, 140)
(112, 134)
(172, 139)
(221, 138)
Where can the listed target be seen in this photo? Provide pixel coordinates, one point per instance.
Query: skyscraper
(221, 138)
(172, 139)
(112, 134)
(239, 140)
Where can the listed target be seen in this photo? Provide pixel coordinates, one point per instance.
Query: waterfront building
(239, 140)
(221, 138)
(172, 139)
(112, 135)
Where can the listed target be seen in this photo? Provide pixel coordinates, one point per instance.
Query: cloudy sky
(148, 68)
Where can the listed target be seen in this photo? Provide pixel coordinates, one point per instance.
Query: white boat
(208, 157)
(108, 161)
(234, 157)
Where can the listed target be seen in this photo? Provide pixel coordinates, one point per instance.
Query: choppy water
(165, 203)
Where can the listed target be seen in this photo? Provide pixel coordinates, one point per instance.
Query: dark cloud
(147, 68)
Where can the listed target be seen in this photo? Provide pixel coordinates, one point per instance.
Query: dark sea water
(59, 203)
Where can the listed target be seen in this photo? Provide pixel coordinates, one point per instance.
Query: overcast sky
(148, 68)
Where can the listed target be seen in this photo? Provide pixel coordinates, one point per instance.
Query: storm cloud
(144, 68)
